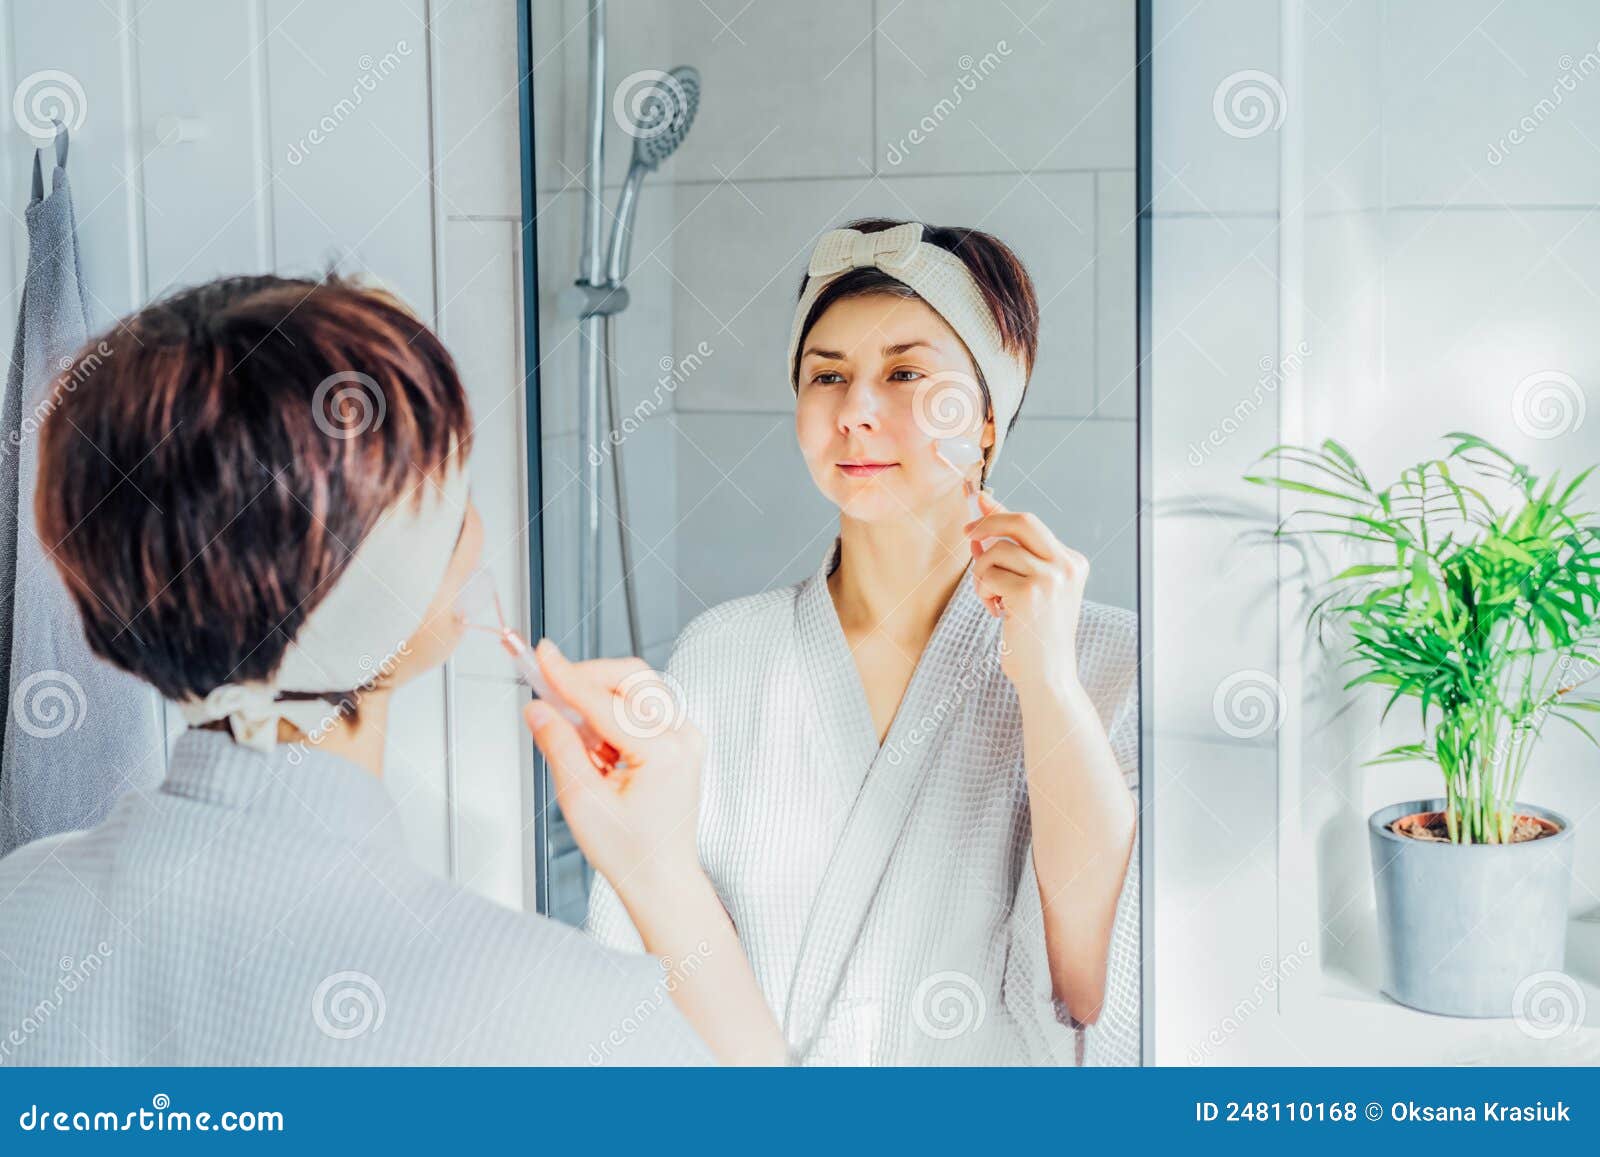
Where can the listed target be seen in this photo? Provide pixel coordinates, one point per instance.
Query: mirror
(686, 159)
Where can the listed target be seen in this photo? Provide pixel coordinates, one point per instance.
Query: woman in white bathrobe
(919, 796)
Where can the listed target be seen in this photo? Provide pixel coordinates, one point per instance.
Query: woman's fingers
(1024, 529)
(560, 742)
(589, 687)
(995, 587)
(1007, 556)
(593, 804)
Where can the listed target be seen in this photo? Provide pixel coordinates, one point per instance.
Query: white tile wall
(1214, 304)
(1460, 76)
(362, 196)
(788, 87)
(1041, 87)
(1206, 48)
(477, 104)
(1116, 295)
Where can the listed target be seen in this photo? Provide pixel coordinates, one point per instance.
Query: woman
(258, 500)
(918, 790)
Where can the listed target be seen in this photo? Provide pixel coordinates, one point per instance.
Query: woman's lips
(865, 469)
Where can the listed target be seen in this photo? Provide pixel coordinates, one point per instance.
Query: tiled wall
(805, 124)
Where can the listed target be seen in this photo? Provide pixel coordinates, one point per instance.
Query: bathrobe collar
(296, 785)
(880, 781)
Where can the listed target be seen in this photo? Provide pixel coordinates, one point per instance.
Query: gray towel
(76, 731)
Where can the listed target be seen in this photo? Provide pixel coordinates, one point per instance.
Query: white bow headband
(942, 280)
(357, 629)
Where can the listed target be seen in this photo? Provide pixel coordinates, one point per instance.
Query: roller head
(960, 454)
(478, 603)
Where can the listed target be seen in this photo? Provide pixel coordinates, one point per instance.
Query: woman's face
(441, 629)
(881, 378)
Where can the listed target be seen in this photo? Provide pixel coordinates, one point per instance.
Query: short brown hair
(1001, 277)
(206, 475)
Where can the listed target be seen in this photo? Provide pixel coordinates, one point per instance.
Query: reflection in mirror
(837, 401)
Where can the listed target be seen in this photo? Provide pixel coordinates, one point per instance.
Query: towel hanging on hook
(75, 732)
(62, 140)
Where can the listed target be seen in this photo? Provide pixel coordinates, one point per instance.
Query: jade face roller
(961, 455)
(478, 606)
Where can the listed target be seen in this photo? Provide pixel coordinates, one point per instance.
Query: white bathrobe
(886, 896)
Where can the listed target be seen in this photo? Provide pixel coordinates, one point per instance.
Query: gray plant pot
(1463, 924)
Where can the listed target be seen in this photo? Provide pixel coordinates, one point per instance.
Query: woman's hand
(635, 825)
(1035, 584)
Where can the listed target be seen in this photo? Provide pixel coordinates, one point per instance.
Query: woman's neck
(897, 577)
(361, 744)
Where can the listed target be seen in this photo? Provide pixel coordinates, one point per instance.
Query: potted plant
(1484, 613)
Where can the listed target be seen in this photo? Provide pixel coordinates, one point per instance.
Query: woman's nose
(860, 408)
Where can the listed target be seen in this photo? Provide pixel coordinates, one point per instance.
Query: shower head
(665, 111)
(661, 112)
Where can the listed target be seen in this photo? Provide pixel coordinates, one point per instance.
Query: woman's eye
(912, 375)
(827, 377)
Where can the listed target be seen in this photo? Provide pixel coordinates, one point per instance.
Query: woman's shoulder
(738, 621)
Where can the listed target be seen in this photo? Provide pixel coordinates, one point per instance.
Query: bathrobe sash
(883, 781)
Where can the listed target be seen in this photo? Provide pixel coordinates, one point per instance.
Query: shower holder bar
(581, 300)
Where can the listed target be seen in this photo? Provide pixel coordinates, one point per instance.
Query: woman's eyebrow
(889, 351)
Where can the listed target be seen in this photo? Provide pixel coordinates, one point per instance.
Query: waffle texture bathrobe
(886, 894)
(262, 910)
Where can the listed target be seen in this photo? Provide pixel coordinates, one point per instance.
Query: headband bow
(842, 249)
